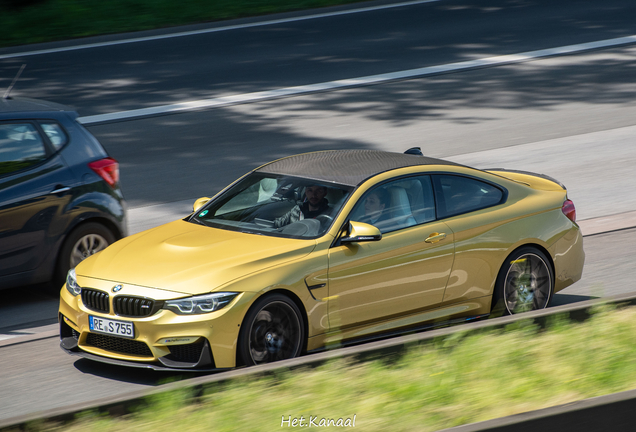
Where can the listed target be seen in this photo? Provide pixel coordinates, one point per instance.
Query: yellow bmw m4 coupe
(323, 249)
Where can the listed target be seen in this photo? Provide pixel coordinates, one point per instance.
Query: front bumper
(162, 341)
(203, 363)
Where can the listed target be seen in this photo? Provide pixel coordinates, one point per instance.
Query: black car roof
(347, 167)
(24, 105)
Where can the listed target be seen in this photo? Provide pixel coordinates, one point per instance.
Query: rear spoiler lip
(543, 176)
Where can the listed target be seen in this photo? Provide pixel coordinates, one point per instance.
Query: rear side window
(457, 194)
(20, 147)
(56, 134)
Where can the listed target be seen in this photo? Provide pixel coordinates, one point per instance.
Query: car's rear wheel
(525, 282)
(84, 241)
(272, 330)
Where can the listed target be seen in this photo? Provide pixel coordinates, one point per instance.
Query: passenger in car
(374, 207)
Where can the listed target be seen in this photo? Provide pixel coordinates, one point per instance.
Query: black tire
(82, 242)
(525, 282)
(272, 330)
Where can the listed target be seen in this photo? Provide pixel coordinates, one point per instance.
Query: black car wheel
(272, 330)
(525, 282)
(84, 241)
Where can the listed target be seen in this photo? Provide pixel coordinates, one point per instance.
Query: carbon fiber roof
(347, 167)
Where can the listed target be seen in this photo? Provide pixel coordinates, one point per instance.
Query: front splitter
(140, 365)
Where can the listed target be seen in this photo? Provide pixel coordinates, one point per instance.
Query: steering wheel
(325, 220)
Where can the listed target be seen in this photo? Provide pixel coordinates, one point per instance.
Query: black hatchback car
(60, 199)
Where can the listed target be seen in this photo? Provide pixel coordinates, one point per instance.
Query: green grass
(31, 21)
(460, 379)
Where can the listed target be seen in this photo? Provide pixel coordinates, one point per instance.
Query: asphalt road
(121, 77)
(446, 115)
(571, 117)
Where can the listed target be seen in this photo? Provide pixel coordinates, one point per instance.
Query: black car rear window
(54, 132)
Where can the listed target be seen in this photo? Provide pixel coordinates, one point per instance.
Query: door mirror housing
(361, 232)
(200, 203)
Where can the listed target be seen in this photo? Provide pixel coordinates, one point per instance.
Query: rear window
(55, 133)
(21, 147)
(457, 194)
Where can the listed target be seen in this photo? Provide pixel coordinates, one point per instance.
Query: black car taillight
(569, 210)
(108, 169)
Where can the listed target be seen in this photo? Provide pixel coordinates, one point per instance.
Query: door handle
(435, 237)
(60, 189)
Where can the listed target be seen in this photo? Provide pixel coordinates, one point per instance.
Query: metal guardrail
(576, 312)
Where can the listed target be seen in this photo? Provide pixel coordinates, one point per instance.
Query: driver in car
(314, 205)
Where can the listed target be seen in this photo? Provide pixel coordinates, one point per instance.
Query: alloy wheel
(528, 284)
(275, 333)
(86, 246)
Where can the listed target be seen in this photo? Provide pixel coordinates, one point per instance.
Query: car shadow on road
(563, 299)
(132, 375)
(28, 307)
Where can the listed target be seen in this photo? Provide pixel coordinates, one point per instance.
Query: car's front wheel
(272, 330)
(525, 282)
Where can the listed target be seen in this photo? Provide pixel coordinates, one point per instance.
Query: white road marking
(214, 30)
(26, 335)
(355, 82)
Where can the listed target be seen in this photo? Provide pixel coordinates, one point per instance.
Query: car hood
(185, 257)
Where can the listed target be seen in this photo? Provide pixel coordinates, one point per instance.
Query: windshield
(276, 205)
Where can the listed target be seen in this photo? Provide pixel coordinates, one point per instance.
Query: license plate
(111, 327)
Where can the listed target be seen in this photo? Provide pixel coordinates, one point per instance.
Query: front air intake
(118, 345)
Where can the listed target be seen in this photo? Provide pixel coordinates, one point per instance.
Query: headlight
(200, 304)
(71, 283)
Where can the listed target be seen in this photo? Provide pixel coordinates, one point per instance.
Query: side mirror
(200, 203)
(361, 232)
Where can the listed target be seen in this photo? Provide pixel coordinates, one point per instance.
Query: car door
(403, 273)
(34, 190)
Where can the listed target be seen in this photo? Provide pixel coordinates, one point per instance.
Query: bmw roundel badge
(117, 288)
